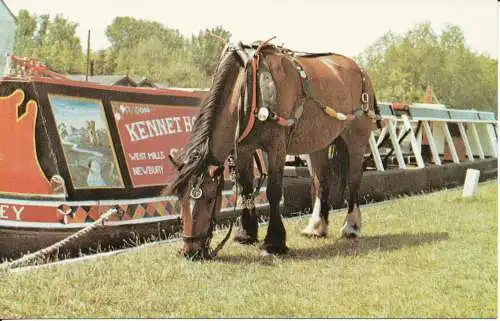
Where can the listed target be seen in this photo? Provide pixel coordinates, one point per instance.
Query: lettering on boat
(147, 156)
(148, 134)
(148, 170)
(15, 210)
(145, 129)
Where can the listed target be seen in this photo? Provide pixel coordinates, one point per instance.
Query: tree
(25, 33)
(402, 66)
(103, 62)
(138, 48)
(146, 48)
(53, 42)
(206, 48)
(126, 33)
(61, 48)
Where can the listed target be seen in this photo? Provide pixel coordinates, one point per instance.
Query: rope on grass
(41, 253)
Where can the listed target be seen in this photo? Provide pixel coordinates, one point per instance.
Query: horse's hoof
(265, 254)
(312, 233)
(316, 228)
(245, 240)
(266, 258)
(274, 249)
(349, 232)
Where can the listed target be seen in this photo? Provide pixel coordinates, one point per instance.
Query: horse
(268, 97)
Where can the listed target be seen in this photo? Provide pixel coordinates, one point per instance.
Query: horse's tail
(339, 168)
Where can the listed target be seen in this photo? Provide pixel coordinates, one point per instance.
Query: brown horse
(268, 97)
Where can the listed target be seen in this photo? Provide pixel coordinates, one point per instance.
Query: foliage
(145, 48)
(54, 42)
(402, 66)
(430, 256)
(138, 48)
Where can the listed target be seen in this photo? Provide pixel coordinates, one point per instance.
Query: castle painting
(86, 142)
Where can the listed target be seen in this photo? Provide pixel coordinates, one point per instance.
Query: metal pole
(88, 57)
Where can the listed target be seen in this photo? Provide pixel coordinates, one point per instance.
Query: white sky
(343, 26)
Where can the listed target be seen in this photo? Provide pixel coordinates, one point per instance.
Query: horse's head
(199, 207)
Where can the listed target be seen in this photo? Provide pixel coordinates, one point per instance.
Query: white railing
(478, 134)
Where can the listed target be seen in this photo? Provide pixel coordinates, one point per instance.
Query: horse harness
(252, 54)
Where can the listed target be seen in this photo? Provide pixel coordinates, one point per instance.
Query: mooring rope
(40, 253)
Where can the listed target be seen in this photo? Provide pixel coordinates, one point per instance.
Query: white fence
(475, 132)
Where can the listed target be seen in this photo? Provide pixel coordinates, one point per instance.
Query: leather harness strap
(307, 94)
(306, 89)
(255, 64)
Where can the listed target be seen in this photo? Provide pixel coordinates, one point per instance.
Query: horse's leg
(318, 223)
(247, 233)
(275, 240)
(352, 223)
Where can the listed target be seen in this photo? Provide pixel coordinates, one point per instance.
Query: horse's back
(328, 66)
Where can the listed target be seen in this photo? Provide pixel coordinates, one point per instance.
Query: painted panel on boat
(148, 133)
(20, 171)
(87, 145)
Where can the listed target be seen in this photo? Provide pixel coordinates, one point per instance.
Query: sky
(343, 26)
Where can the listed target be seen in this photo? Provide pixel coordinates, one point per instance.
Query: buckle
(364, 98)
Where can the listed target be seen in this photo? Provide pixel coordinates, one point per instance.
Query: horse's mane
(194, 158)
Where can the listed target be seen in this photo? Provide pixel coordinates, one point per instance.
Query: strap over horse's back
(334, 60)
(247, 52)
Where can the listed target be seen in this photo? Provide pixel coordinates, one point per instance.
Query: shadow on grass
(346, 247)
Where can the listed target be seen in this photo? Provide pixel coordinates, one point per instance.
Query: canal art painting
(20, 171)
(148, 134)
(86, 142)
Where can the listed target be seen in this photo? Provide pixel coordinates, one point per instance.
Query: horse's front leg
(247, 233)
(275, 240)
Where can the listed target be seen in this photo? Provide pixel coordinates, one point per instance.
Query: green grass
(432, 256)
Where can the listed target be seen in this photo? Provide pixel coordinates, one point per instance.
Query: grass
(432, 256)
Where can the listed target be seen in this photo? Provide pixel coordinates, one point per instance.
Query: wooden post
(465, 139)
(476, 139)
(432, 144)
(395, 144)
(414, 144)
(449, 140)
(471, 180)
(375, 153)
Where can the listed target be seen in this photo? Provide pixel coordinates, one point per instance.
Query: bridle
(205, 238)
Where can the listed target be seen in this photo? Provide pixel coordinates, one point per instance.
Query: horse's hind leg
(318, 222)
(247, 233)
(352, 223)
